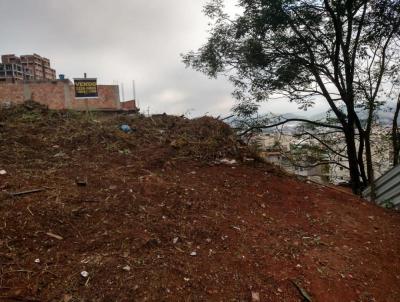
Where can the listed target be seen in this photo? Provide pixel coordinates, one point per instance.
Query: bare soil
(160, 219)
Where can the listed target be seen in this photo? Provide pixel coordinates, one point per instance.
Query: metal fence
(387, 189)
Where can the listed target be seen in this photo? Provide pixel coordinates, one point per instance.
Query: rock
(255, 297)
(60, 154)
(193, 254)
(228, 161)
(175, 240)
(84, 274)
(3, 172)
(126, 268)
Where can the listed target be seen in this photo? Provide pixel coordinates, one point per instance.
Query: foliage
(341, 52)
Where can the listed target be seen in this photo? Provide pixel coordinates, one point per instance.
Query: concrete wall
(58, 95)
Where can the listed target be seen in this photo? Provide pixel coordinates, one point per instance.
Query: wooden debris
(58, 237)
(14, 194)
(302, 291)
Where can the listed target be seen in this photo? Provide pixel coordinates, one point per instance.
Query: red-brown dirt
(160, 220)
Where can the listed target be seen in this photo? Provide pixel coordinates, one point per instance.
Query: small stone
(60, 154)
(3, 172)
(37, 260)
(126, 268)
(67, 298)
(193, 254)
(255, 297)
(175, 240)
(84, 274)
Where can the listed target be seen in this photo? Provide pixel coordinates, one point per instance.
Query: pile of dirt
(153, 215)
(163, 137)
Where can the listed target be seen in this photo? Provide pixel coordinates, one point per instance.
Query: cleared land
(159, 219)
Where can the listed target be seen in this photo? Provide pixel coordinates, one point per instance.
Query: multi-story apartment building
(26, 67)
(39, 67)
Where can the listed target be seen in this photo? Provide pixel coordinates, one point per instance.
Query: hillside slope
(158, 217)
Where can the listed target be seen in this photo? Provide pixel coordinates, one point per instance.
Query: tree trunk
(396, 135)
(356, 184)
(360, 156)
(368, 157)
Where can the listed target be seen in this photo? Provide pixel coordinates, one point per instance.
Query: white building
(302, 157)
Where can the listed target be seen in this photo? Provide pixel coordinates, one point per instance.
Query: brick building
(26, 67)
(60, 95)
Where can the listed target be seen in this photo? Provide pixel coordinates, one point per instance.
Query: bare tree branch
(288, 121)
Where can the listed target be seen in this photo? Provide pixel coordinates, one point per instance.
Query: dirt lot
(160, 219)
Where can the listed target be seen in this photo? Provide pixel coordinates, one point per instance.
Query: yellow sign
(85, 88)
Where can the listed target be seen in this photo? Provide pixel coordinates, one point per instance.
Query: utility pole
(134, 93)
(123, 92)
(86, 100)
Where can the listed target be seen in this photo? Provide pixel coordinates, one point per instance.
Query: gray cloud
(119, 41)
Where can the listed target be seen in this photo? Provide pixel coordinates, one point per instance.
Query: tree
(396, 134)
(308, 51)
(394, 94)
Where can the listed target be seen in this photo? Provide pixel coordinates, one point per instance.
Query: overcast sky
(119, 41)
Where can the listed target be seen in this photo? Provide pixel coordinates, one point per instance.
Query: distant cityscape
(309, 158)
